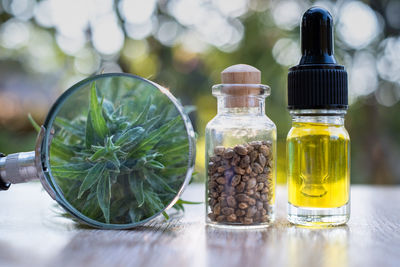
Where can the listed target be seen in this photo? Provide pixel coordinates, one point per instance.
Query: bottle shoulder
(242, 121)
(306, 129)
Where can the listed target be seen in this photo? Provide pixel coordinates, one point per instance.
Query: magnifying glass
(115, 151)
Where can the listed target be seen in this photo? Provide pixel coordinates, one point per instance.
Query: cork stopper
(236, 77)
(242, 74)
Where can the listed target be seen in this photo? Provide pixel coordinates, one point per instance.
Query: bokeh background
(47, 46)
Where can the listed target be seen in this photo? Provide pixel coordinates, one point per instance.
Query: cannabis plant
(123, 157)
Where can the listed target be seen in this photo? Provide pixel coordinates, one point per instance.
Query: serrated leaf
(113, 159)
(129, 136)
(104, 195)
(154, 136)
(158, 182)
(91, 207)
(74, 170)
(72, 189)
(96, 114)
(177, 148)
(154, 164)
(148, 125)
(94, 174)
(61, 150)
(119, 207)
(135, 215)
(137, 189)
(143, 115)
(107, 154)
(108, 107)
(174, 171)
(153, 201)
(90, 137)
(69, 126)
(152, 111)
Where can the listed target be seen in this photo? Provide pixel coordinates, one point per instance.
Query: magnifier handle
(17, 168)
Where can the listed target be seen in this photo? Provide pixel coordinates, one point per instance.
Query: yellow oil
(318, 169)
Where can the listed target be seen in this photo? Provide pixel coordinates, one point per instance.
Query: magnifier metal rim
(59, 197)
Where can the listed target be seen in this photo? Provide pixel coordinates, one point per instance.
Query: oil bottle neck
(327, 116)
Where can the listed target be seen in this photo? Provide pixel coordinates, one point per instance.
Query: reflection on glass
(312, 246)
(314, 166)
(235, 247)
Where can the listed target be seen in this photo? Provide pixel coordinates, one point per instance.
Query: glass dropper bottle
(318, 154)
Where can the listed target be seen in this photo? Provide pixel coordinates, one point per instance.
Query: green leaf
(104, 195)
(129, 136)
(119, 207)
(181, 201)
(96, 115)
(33, 122)
(135, 215)
(166, 216)
(73, 170)
(113, 159)
(158, 182)
(72, 188)
(100, 153)
(151, 123)
(154, 164)
(90, 137)
(154, 136)
(174, 171)
(94, 174)
(107, 154)
(137, 189)
(179, 207)
(60, 150)
(108, 107)
(143, 115)
(91, 206)
(153, 202)
(69, 126)
(179, 204)
(175, 148)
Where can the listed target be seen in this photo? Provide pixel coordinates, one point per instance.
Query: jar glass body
(240, 165)
(318, 168)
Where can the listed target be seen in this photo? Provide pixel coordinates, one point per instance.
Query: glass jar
(240, 154)
(318, 173)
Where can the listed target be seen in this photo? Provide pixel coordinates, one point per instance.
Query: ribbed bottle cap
(317, 82)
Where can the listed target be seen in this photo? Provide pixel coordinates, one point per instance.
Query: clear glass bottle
(318, 152)
(240, 152)
(318, 166)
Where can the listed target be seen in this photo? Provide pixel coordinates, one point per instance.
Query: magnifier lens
(121, 150)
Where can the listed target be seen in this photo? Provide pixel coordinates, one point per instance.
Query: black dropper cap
(317, 82)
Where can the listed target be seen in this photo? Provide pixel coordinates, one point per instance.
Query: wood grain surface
(33, 234)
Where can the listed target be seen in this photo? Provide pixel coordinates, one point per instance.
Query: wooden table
(33, 234)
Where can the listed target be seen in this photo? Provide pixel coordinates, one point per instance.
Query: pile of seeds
(240, 186)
